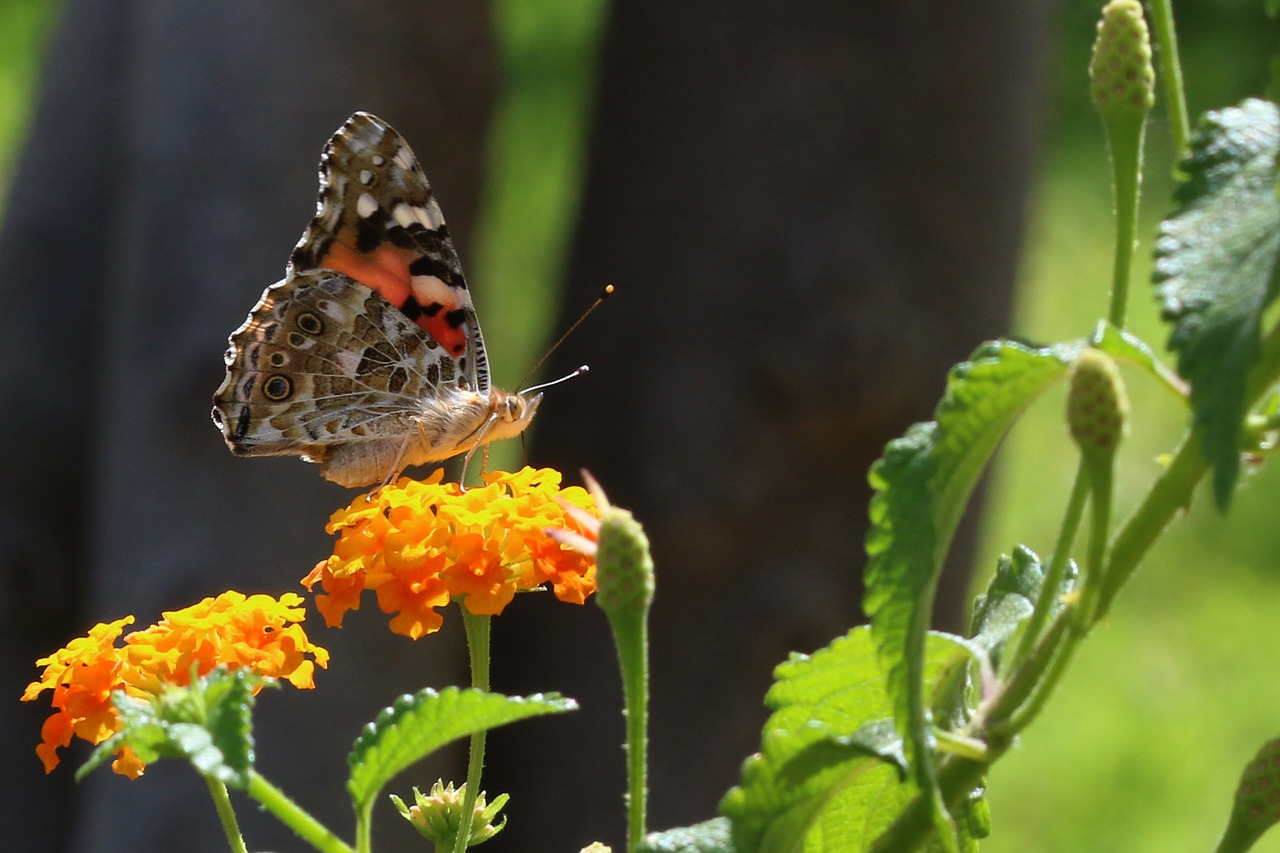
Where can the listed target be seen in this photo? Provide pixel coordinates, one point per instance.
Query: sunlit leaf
(923, 483)
(1214, 272)
(417, 725)
(830, 773)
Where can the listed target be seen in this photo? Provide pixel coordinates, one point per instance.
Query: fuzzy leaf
(417, 725)
(1214, 272)
(923, 482)
(829, 774)
(711, 836)
(1010, 598)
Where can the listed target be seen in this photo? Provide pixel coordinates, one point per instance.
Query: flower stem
(1126, 176)
(293, 816)
(1101, 479)
(226, 814)
(1171, 70)
(1057, 565)
(477, 628)
(626, 587)
(631, 636)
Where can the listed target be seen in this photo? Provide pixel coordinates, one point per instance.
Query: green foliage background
(1143, 744)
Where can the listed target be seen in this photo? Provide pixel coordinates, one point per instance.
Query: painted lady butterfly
(367, 357)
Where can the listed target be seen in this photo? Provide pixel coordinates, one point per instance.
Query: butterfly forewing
(377, 220)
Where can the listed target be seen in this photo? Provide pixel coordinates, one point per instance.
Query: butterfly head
(514, 412)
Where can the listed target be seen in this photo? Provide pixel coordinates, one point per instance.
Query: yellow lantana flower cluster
(420, 544)
(233, 630)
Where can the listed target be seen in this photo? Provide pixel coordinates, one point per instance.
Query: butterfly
(367, 357)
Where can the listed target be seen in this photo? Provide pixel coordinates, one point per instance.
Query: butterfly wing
(378, 222)
(327, 369)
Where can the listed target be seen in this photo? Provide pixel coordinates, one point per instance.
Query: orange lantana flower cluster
(420, 544)
(233, 630)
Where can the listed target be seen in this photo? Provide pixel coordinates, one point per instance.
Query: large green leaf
(923, 482)
(1214, 272)
(417, 725)
(829, 774)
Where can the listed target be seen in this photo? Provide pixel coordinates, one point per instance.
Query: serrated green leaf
(1214, 271)
(922, 484)
(711, 836)
(417, 725)
(829, 765)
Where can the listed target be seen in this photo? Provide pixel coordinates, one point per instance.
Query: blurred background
(808, 213)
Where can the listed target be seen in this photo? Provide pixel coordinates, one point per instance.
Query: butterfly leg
(481, 434)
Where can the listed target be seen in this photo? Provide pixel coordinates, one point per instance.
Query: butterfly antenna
(578, 371)
(604, 294)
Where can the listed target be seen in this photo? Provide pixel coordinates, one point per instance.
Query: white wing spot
(428, 289)
(378, 159)
(366, 177)
(430, 216)
(366, 205)
(404, 159)
(404, 215)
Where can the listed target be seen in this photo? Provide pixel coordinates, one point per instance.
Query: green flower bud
(1121, 77)
(438, 815)
(1097, 406)
(624, 573)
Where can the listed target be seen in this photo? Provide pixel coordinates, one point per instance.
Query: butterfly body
(367, 357)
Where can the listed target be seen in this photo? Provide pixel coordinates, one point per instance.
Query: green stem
(293, 816)
(1059, 648)
(1125, 137)
(997, 719)
(631, 637)
(226, 814)
(1101, 476)
(1239, 836)
(1057, 566)
(956, 778)
(1170, 493)
(1171, 71)
(477, 628)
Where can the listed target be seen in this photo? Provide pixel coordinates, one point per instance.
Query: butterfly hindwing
(323, 360)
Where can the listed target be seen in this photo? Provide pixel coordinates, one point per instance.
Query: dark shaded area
(811, 210)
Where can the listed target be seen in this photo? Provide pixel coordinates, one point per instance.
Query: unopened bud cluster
(626, 569)
(1097, 406)
(1121, 76)
(438, 815)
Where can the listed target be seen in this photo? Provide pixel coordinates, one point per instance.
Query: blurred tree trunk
(811, 210)
(170, 170)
